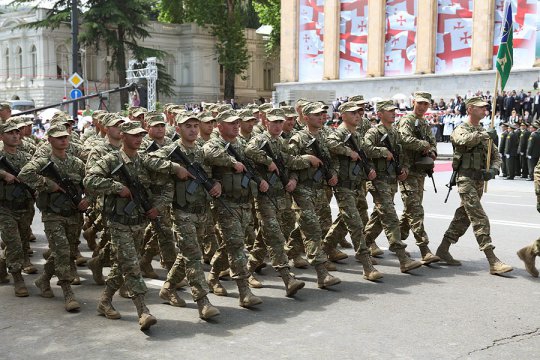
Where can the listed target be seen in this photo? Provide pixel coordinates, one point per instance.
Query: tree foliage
(269, 12)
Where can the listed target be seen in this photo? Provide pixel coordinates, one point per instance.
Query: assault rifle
(249, 173)
(429, 172)
(138, 193)
(51, 171)
(201, 177)
(278, 160)
(324, 169)
(452, 181)
(395, 161)
(152, 147)
(20, 187)
(363, 162)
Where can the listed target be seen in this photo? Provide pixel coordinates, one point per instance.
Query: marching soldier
(511, 152)
(470, 142)
(533, 148)
(502, 145)
(522, 150)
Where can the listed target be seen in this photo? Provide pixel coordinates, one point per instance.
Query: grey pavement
(435, 312)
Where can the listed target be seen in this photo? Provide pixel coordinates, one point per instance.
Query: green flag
(505, 56)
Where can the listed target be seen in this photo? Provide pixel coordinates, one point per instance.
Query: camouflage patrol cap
(8, 126)
(289, 111)
(207, 105)
(359, 99)
(422, 96)
(348, 107)
(265, 107)
(182, 118)
(536, 124)
(313, 108)
(275, 115)
(28, 119)
(475, 101)
(385, 105)
(100, 117)
(113, 120)
(96, 114)
(223, 107)
(227, 116)
(154, 118)
(253, 107)
(212, 107)
(205, 116)
(57, 130)
(5, 105)
(17, 121)
(60, 118)
(132, 128)
(138, 112)
(301, 102)
(246, 115)
(167, 107)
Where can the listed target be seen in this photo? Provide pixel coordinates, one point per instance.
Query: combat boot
(406, 264)
(335, 254)
(206, 309)
(330, 266)
(345, 244)
(147, 270)
(124, 292)
(4, 279)
(89, 235)
(168, 293)
(215, 286)
(145, 318)
(76, 278)
(496, 266)
(292, 285)
(32, 237)
(427, 255)
(246, 299)
(375, 250)
(79, 259)
(27, 266)
(182, 284)
(95, 266)
(43, 283)
(358, 258)
(105, 306)
(70, 304)
(444, 254)
(528, 256)
(324, 279)
(46, 254)
(254, 283)
(370, 273)
(20, 287)
(299, 262)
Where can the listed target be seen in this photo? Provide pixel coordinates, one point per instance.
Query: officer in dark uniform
(502, 144)
(511, 152)
(522, 149)
(533, 148)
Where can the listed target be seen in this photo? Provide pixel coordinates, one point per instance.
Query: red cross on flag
(353, 39)
(311, 40)
(400, 39)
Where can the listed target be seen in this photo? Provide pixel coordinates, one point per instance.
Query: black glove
(492, 133)
(489, 174)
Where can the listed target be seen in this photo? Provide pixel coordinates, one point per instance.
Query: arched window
(18, 58)
(7, 63)
(62, 62)
(33, 55)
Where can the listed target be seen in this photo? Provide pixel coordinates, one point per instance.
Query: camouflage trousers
(412, 218)
(189, 227)
(470, 212)
(232, 233)
(126, 244)
(536, 247)
(307, 201)
(161, 241)
(63, 237)
(208, 241)
(272, 239)
(339, 230)
(350, 217)
(15, 231)
(384, 216)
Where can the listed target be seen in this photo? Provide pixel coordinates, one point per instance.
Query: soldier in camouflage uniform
(470, 142)
(271, 219)
(16, 206)
(5, 111)
(418, 144)
(384, 187)
(310, 182)
(529, 253)
(190, 210)
(237, 194)
(260, 127)
(351, 172)
(93, 130)
(126, 216)
(61, 217)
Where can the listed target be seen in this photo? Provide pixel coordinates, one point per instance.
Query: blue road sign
(75, 94)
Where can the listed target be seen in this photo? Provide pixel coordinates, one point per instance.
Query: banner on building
(454, 36)
(311, 40)
(525, 20)
(400, 38)
(353, 39)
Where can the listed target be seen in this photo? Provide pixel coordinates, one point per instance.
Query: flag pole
(493, 111)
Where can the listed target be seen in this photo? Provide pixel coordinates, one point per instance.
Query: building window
(62, 62)
(7, 63)
(33, 54)
(267, 74)
(18, 53)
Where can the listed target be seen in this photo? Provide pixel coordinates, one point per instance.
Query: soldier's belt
(64, 213)
(349, 184)
(236, 200)
(311, 183)
(128, 220)
(16, 205)
(388, 179)
(472, 174)
(192, 209)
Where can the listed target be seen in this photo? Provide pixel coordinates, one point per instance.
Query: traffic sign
(75, 94)
(76, 80)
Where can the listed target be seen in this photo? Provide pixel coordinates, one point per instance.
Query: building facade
(375, 47)
(35, 64)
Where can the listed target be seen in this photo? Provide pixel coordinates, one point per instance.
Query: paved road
(437, 312)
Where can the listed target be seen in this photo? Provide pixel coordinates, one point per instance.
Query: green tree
(226, 20)
(269, 12)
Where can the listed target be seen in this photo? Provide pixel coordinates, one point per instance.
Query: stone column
(289, 41)
(482, 36)
(331, 39)
(426, 36)
(376, 30)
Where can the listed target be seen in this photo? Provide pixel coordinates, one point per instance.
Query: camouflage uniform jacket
(377, 152)
(17, 161)
(341, 153)
(411, 129)
(45, 150)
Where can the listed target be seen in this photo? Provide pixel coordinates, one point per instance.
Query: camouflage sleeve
(408, 132)
(370, 145)
(98, 178)
(296, 161)
(216, 155)
(537, 183)
(335, 144)
(462, 136)
(158, 164)
(30, 175)
(257, 155)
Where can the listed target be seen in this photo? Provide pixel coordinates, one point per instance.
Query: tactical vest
(123, 210)
(57, 202)
(14, 196)
(276, 187)
(382, 166)
(235, 187)
(310, 176)
(350, 173)
(190, 196)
